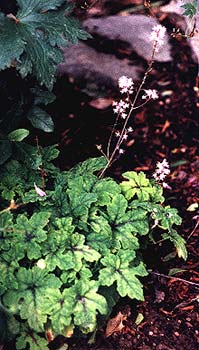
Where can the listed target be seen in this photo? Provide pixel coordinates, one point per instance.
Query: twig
(185, 303)
(175, 278)
(194, 229)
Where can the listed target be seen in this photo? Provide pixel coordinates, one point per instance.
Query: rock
(95, 71)
(134, 30)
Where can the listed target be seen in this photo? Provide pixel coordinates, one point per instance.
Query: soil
(164, 129)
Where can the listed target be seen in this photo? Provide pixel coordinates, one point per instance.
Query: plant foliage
(32, 39)
(61, 253)
(190, 8)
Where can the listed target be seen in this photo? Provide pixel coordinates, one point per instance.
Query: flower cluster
(150, 94)
(125, 85)
(157, 36)
(121, 108)
(161, 171)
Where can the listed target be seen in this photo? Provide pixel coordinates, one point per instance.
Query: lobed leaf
(32, 291)
(118, 269)
(32, 339)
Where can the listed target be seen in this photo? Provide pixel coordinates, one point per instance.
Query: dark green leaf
(11, 43)
(40, 119)
(28, 155)
(42, 96)
(5, 151)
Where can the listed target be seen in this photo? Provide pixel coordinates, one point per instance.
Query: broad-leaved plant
(66, 257)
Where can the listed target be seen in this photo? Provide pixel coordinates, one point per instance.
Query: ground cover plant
(72, 242)
(77, 249)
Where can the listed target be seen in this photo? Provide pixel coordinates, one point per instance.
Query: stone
(95, 71)
(134, 30)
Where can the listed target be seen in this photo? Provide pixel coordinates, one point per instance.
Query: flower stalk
(126, 86)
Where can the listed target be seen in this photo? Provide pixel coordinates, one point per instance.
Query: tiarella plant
(67, 255)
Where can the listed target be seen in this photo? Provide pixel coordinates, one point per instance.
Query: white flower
(161, 171)
(120, 108)
(125, 85)
(157, 36)
(163, 167)
(150, 93)
(125, 137)
(123, 115)
(129, 129)
(121, 151)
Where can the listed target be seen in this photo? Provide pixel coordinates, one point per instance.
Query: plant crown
(68, 256)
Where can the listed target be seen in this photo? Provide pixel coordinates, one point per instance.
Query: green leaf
(40, 6)
(119, 269)
(125, 224)
(5, 151)
(31, 338)
(6, 228)
(49, 153)
(89, 166)
(34, 285)
(67, 249)
(176, 270)
(29, 233)
(61, 310)
(166, 216)
(9, 326)
(88, 301)
(45, 32)
(28, 155)
(6, 272)
(80, 203)
(105, 190)
(80, 301)
(11, 44)
(100, 234)
(178, 242)
(40, 119)
(17, 179)
(18, 135)
(35, 37)
(117, 209)
(190, 8)
(137, 184)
